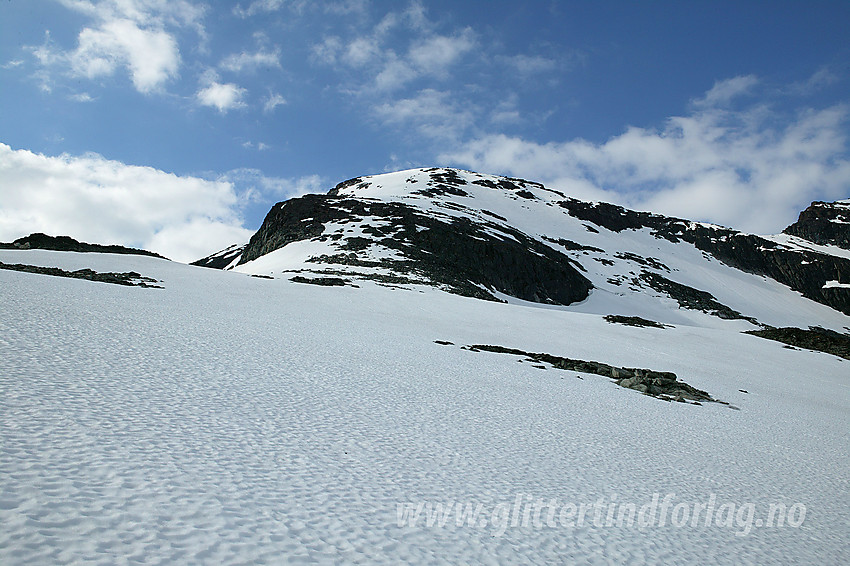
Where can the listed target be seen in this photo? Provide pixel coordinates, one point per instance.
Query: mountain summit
(505, 239)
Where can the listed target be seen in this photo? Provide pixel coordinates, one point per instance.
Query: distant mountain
(67, 244)
(500, 238)
(222, 259)
(826, 223)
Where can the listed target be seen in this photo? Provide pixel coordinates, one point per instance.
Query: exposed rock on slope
(660, 384)
(466, 257)
(222, 260)
(129, 278)
(802, 270)
(815, 338)
(824, 223)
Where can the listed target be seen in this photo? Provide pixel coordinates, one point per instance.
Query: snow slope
(232, 419)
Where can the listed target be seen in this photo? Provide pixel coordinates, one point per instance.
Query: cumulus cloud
(751, 168)
(136, 35)
(99, 200)
(222, 96)
(151, 55)
(402, 69)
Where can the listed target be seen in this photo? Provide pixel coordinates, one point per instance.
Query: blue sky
(176, 124)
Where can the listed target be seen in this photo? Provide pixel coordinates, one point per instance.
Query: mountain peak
(506, 239)
(438, 181)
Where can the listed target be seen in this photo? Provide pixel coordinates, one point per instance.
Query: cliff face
(824, 223)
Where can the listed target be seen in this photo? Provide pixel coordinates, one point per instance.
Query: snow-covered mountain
(431, 366)
(508, 239)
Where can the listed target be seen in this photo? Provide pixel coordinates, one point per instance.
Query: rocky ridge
(40, 241)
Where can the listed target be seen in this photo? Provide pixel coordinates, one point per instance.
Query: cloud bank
(102, 201)
(750, 168)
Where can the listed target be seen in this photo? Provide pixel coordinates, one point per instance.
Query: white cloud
(136, 35)
(420, 53)
(506, 111)
(258, 7)
(81, 97)
(434, 114)
(361, 50)
(196, 238)
(103, 201)
(158, 13)
(430, 56)
(396, 72)
(724, 91)
(251, 61)
(416, 17)
(223, 96)
(821, 79)
(254, 186)
(737, 168)
(328, 50)
(273, 101)
(529, 64)
(151, 56)
(347, 7)
(260, 146)
(434, 55)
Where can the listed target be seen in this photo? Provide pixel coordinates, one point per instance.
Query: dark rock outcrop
(660, 384)
(824, 223)
(465, 257)
(67, 244)
(221, 259)
(323, 281)
(691, 298)
(815, 338)
(634, 321)
(129, 278)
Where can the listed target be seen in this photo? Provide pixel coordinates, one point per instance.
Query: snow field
(230, 419)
